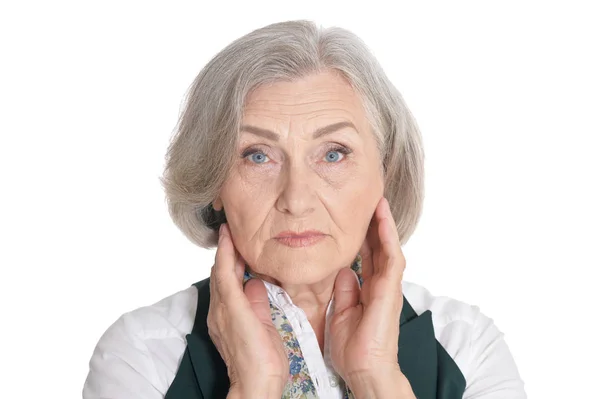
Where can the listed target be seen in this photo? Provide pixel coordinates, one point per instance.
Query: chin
(300, 272)
(309, 265)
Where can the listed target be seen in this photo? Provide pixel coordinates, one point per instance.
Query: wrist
(387, 384)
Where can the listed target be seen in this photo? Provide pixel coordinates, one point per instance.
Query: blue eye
(255, 156)
(338, 149)
(334, 158)
(258, 157)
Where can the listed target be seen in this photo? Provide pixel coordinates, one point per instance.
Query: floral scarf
(300, 385)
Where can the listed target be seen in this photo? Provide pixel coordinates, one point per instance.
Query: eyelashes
(331, 148)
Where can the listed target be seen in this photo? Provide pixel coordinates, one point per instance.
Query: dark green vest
(432, 373)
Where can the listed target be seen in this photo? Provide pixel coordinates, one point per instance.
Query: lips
(297, 240)
(303, 234)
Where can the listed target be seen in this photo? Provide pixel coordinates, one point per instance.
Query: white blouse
(139, 354)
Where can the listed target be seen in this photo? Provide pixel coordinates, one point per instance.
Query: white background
(507, 97)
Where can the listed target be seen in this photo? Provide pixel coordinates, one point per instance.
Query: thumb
(346, 291)
(256, 292)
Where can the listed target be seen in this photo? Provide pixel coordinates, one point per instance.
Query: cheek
(358, 197)
(247, 206)
(354, 185)
(253, 176)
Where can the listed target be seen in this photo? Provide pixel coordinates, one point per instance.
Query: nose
(296, 196)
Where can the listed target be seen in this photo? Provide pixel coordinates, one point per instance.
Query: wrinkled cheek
(253, 207)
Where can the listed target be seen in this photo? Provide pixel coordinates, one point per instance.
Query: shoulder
(453, 320)
(473, 340)
(445, 310)
(169, 318)
(144, 346)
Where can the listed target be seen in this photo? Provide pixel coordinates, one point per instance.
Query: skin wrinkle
(296, 188)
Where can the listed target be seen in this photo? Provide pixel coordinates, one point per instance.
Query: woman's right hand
(240, 326)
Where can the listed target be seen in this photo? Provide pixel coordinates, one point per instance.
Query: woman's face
(294, 181)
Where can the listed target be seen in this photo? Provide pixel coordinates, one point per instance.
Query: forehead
(324, 95)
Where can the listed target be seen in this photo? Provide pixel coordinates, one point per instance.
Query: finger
(384, 221)
(211, 281)
(367, 249)
(227, 283)
(392, 262)
(346, 291)
(366, 256)
(374, 236)
(390, 240)
(256, 292)
(387, 218)
(240, 265)
(212, 284)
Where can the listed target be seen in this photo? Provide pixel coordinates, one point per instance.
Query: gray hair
(202, 148)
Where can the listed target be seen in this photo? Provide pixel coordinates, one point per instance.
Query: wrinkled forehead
(302, 94)
(310, 105)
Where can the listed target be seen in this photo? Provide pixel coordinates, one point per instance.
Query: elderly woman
(297, 158)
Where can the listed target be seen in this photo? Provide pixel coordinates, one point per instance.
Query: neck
(313, 299)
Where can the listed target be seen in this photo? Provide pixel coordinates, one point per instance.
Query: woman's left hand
(366, 322)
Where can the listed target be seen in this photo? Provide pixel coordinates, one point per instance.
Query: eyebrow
(322, 131)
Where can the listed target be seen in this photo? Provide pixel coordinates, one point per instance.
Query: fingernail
(357, 279)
